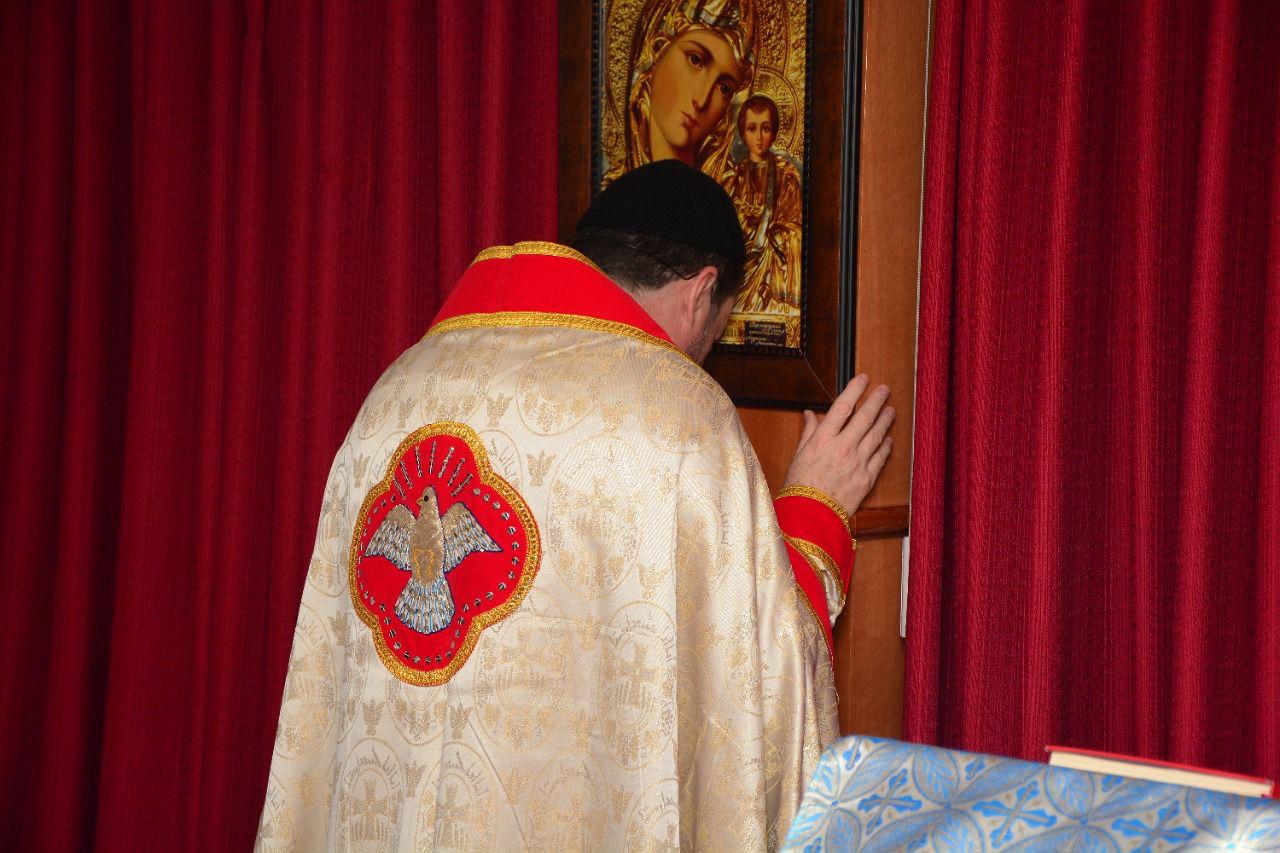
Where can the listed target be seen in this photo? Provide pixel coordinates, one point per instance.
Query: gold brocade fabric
(661, 685)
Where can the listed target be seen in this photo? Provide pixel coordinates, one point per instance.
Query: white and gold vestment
(632, 656)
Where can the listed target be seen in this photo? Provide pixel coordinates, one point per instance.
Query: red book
(1159, 771)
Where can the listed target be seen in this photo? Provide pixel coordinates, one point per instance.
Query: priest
(552, 604)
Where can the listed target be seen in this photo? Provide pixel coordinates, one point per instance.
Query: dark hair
(757, 103)
(644, 262)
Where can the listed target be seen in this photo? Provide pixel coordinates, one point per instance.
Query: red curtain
(220, 221)
(1096, 530)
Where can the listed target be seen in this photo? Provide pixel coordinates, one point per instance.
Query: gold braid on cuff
(824, 499)
(823, 564)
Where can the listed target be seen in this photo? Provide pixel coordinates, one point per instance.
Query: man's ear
(696, 299)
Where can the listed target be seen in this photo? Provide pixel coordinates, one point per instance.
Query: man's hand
(842, 453)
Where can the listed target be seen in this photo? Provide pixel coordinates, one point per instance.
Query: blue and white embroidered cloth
(876, 794)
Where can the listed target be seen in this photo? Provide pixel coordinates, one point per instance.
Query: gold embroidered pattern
(458, 805)
(535, 247)
(823, 563)
(370, 797)
(307, 710)
(480, 621)
(457, 382)
(822, 498)
(497, 407)
(539, 466)
(824, 630)
(539, 319)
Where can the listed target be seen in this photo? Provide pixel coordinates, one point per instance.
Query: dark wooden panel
(894, 36)
(881, 522)
(774, 434)
(575, 124)
(869, 652)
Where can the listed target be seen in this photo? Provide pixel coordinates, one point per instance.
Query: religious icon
(762, 95)
(677, 78)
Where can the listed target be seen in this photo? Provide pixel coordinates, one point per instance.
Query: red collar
(544, 279)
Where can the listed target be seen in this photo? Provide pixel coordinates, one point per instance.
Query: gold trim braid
(822, 498)
(538, 319)
(825, 631)
(535, 247)
(823, 563)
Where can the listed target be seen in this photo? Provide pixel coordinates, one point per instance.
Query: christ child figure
(766, 191)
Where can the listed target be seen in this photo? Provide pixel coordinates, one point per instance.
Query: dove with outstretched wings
(429, 547)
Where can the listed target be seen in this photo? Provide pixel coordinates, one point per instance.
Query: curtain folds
(1096, 524)
(218, 223)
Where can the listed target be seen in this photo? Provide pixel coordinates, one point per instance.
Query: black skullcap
(673, 201)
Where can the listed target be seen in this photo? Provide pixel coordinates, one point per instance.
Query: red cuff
(808, 517)
(813, 593)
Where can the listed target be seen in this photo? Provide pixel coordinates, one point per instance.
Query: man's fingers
(861, 423)
(842, 407)
(876, 434)
(810, 424)
(877, 460)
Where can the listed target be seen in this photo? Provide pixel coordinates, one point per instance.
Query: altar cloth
(872, 794)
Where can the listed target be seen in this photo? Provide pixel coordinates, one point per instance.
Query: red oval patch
(442, 549)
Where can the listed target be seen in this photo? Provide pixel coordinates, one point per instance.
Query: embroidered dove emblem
(428, 547)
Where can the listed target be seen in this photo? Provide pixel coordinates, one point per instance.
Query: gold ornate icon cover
(721, 85)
